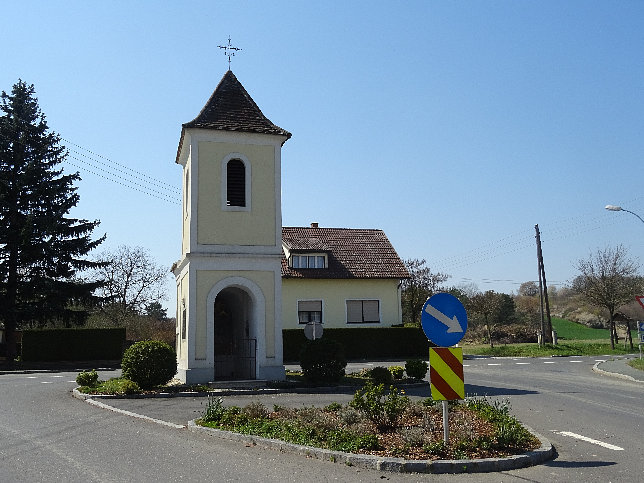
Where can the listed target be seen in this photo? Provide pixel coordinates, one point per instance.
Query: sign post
(640, 325)
(444, 322)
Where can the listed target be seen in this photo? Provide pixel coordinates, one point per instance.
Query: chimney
(314, 224)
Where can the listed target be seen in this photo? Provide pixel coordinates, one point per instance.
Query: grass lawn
(574, 340)
(637, 364)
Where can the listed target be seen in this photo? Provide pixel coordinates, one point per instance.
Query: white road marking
(522, 363)
(549, 362)
(134, 415)
(575, 361)
(46, 382)
(32, 377)
(493, 364)
(56, 376)
(589, 440)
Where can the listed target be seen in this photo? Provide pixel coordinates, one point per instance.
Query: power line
(159, 196)
(125, 169)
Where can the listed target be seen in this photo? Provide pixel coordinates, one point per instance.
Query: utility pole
(543, 326)
(543, 289)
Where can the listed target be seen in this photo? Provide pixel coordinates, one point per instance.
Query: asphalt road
(594, 421)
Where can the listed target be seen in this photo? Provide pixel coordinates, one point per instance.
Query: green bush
(397, 371)
(120, 386)
(87, 378)
(322, 360)
(416, 368)
(214, 410)
(149, 363)
(381, 375)
(383, 410)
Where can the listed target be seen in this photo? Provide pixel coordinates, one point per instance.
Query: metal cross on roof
(229, 51)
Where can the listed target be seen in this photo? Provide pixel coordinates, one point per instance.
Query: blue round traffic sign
(444, 319)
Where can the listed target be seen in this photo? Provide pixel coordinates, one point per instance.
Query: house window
(308, 261)
(235, 183)
(309, 311)
(363, 311)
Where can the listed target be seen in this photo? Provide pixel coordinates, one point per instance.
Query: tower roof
(230, 108)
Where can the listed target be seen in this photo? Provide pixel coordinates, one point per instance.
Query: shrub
(397, 371)
(87, 378)
(333, 407)
(416, 368)
(381, 375)
(322, 360)
(255, 410)
(214, 410)
(120, 386)
(383, 410)
(149, 363)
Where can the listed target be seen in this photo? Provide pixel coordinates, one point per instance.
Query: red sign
(640, 299)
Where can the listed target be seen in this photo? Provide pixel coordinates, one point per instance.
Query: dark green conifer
(42, 249)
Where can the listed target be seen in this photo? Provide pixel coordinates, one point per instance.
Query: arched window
(235, 183)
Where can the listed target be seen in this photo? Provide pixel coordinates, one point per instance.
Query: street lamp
(619, 208)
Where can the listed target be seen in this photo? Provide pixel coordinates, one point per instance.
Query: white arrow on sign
(452, 324)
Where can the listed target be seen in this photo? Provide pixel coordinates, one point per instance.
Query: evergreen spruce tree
(41, 248)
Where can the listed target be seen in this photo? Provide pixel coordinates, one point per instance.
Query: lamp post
(619, 208)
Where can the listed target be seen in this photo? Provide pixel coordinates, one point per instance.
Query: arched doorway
(234, 339)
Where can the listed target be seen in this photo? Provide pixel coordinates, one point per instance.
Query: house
(340, 277)
(242, 277)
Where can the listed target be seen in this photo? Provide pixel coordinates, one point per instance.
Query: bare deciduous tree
(486, 305)
(609, 280)
(133, 281)
(415, 291)
(529, 289)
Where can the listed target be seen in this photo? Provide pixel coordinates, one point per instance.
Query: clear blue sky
(453, 126)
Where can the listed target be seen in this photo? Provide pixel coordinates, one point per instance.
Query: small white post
(445, 422)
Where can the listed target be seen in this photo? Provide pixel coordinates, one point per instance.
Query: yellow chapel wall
(255, 227)
(207, 279)
(182, 296)
(334, 294)
(185, 215)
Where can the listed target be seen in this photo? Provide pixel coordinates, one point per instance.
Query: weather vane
(229, 50)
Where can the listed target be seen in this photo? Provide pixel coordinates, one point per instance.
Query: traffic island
(544, 453)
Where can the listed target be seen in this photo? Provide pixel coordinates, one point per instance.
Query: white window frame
(318, 256)
(346, 307)
(224, 182)
(310, 301)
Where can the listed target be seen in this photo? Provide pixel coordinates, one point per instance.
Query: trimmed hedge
(364, 342)
(322, 360)
(45, 345)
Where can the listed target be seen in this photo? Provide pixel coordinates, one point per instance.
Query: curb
(89, 399)
(395, 465)
(614, 374)
(235, 392)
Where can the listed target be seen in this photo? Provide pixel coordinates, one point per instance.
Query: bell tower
(229, 274)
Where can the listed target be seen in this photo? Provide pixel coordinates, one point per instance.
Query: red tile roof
(352, 253)
(230, 108)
